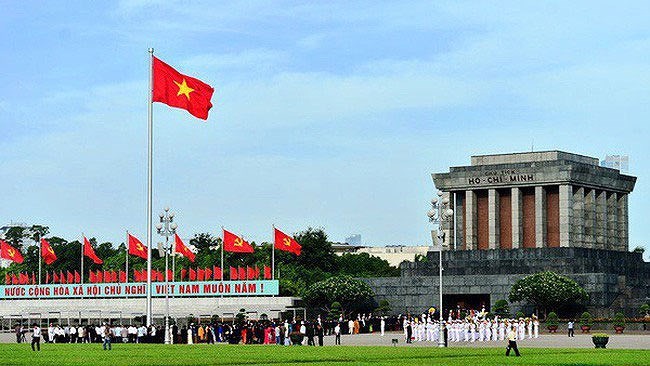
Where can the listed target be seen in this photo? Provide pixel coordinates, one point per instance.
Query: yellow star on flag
(183, 89)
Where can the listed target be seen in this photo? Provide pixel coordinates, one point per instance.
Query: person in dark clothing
(320, 332)
(310, 335)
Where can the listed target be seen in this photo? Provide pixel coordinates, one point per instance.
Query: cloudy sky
(327, 114)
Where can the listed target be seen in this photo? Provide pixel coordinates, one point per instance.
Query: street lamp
(166, 227)
(440, 211)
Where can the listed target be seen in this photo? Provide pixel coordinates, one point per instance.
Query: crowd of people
(474, 327)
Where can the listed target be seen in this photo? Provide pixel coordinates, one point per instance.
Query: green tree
(353, 295)
(501, 308)
(365, 265)
(383, 308)
(548, 290)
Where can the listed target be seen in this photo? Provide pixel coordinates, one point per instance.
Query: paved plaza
(620, 341)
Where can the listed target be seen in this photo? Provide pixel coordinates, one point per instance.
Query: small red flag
(180, 91)
(10, 253)
(182, 249)
(7, 279)
(170, 275)
(99, 276)
(216, 273)
(91, 277)
(233, 274)
(47, 252)
(33, 278)
(192, 275)
(62, 277)
(234, 243)
(250, 273)
(69, 277)
(183, 274)
(200, 274)
(14, 279)
(23, 279)
(267, 273)
(122, 276)
(90, 252)
(77, 277)
(286, 243)
(208, 274)
(242, 273)
(47, 277)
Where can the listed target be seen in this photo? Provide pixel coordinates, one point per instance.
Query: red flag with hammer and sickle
(47, 252)
(10, 253)
(234, 243)
(136, 247)
(183, 249)
(286, 243)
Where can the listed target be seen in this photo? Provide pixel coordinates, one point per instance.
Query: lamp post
(166, 227)
(439, 212)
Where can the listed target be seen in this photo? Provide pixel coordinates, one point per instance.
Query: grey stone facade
(614, 280)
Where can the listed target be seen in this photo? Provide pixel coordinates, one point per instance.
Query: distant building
(354, 239)
(619, 162)
(393, 254)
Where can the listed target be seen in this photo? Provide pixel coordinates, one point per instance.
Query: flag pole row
(230, 243)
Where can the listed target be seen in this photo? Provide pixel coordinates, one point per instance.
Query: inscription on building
(504, 176)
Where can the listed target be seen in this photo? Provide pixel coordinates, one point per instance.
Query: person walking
(512, 342)
(570, 328)
(36, 337)
(106, 337)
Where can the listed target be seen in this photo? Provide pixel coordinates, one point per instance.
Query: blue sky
(327, 114)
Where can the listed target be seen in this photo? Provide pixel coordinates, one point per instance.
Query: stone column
(566, 214)
(517, 223)
(600, 224)
(622, 222)
(470, 220)
(493, 219)
(447, 223)
(460, 223)
(590, 218)
(612, 221)
(540, 217)
(578, 226)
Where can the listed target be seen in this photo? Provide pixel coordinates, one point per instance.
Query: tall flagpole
(126, 249)
(273, 254)
(82, 257)
(149, 188)
(40, 259)
(223, 270)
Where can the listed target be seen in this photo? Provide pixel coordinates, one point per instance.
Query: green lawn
(92, 354)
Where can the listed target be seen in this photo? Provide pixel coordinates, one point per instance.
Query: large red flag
(267, 273)
(180, 91)
(234, 243)
(286, 243)
(182, 249)
(136, 247)
(10, 253)
(47, 252)
(90, 252)
(233, 273)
